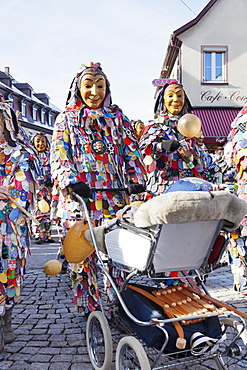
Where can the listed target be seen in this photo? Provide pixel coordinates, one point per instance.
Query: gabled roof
(20, 93)
(195, 20)
(175, 44)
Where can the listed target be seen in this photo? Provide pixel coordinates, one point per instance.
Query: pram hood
(190, 206)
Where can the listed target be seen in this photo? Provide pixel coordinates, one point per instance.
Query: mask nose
(94, 90)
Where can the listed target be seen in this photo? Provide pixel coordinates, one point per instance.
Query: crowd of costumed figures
(96, 146)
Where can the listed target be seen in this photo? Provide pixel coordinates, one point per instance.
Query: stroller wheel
(99, 341)
(131, 355)
(234, 348)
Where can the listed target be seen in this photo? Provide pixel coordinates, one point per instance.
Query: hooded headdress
(41, 134)
(74, 97)
(159, 104)
(135, 123)
(9, 121)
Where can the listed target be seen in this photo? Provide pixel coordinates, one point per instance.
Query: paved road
(51, 335)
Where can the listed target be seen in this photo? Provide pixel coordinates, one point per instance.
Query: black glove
(81, 189)
(170, 145)
(135, 189)
(48, 183)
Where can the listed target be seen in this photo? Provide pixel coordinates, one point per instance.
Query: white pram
(185, 240)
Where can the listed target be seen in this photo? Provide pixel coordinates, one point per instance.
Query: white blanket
(190, 206)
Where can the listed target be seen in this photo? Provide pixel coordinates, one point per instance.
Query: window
(214, 64)
(50, 118)
(35, 112)
(42, 115)
(23, 107)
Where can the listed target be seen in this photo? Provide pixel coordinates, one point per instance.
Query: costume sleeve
(152, 135)
(62, 168)
(133, 162)
(24, 180)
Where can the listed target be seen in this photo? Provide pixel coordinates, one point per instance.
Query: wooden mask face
(93, 90)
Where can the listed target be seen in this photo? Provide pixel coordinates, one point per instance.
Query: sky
(44, 43)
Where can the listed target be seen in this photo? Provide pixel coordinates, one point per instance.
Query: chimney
(6, 70)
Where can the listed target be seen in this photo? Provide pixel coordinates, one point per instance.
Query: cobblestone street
(50, 335)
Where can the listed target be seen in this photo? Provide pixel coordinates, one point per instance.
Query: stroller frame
(130, 353)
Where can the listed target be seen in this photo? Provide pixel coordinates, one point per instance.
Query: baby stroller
(162, 316)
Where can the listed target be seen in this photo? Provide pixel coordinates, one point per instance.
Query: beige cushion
(190, 206)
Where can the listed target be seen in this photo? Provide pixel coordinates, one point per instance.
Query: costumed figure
(205, 158)
(138, 127)
(238, 242)
(238, 260)
(42, 231)
(93, 146)
(18, 184)
(226, 175)
(168, 154)
(217, 167)
(229, 170)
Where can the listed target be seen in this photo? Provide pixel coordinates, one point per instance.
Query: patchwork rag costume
(166, 165)
(96, 147)
(239, 142)
(42, 231)
(18, 171)
(238, 243)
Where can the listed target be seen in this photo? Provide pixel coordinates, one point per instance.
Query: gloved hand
(81, 189)
(135, 189)
(170, 145)
(48, 183)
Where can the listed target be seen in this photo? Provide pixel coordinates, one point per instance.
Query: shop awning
(216, 123)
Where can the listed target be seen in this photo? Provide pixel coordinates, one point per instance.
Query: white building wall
(223, 25)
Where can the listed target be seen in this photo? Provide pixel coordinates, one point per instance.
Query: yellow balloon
(3, 278)
(189, 125)
(20, 175)
(98, 205)
(76, 247)
(199, 134)
(52, 267)
(43, 206)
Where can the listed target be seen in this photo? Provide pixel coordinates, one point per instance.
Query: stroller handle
(120, 189)
(102, 267)
(108, 189)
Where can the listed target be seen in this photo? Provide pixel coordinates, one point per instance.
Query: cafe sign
(212, 97)
(220, 139)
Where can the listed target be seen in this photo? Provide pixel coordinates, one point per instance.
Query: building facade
(34, 110)
(208, 56)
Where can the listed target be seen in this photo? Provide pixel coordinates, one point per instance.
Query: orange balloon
(234, 235)
(52, 267)
(76, 247)
(189, 125)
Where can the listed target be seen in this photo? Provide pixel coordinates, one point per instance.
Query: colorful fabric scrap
(18, 171)
(97, 147)
(42, 231)
(164, 167)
